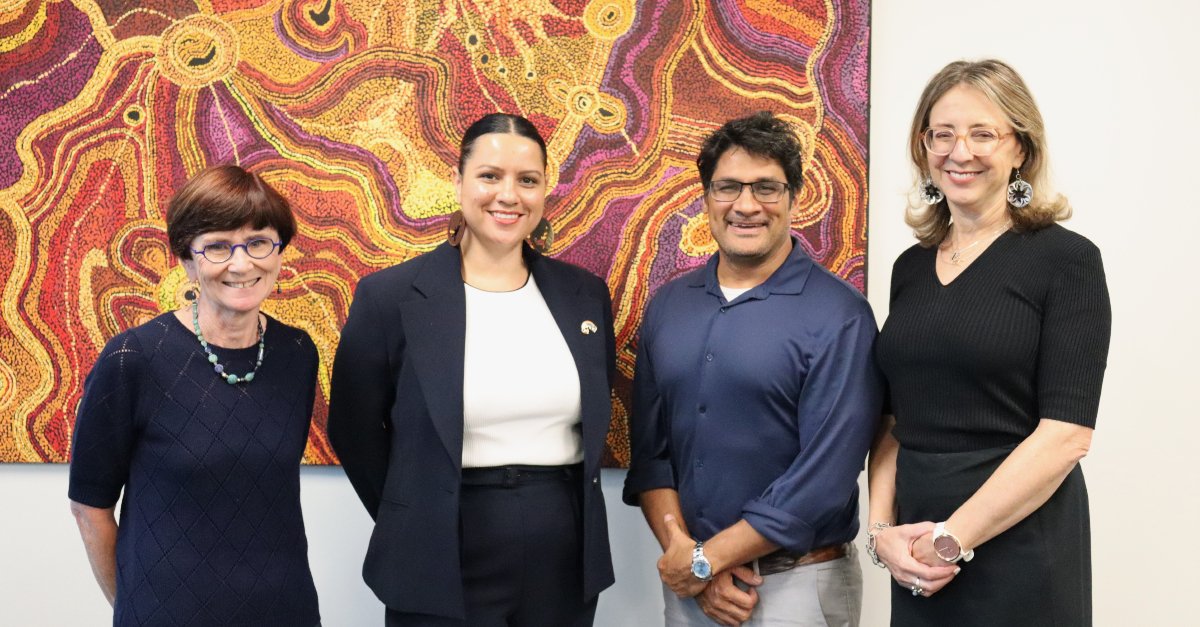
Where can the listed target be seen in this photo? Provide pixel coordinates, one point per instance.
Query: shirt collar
(788, 278)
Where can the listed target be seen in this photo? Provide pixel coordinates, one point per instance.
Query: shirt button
(699, 464)
(703, 408)
(708, 357)
(595, 480)
(724, 309)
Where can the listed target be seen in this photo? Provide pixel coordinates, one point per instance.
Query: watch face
(946, 548)
(702, 570)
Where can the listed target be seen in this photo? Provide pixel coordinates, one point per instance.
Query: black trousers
(522, 551)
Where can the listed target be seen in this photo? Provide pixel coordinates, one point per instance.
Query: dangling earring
(455, 228)
(1020, 193)
(930, 192)
(542, 237)
(192, 292)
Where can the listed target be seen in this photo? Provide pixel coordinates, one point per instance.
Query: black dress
(1020, 335)
(210, 528)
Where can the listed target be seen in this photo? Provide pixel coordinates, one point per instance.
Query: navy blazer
(396, 419)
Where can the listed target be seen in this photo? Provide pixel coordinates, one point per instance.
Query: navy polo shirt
(762, 408)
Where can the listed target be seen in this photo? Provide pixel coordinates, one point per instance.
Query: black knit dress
(1020, 335)
(210, 530)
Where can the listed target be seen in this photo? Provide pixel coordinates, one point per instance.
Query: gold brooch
(588, 327)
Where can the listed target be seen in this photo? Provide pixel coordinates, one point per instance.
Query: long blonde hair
(1003, 87)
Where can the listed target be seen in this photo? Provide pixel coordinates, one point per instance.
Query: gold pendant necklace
(956, 254)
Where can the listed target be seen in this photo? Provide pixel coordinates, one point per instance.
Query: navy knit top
(1020, 335)
(210, 529)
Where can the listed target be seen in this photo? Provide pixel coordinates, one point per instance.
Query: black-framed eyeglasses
(981, 141)
(729, 190)
(257, 248)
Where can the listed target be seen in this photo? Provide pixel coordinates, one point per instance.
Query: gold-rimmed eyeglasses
(980, 141)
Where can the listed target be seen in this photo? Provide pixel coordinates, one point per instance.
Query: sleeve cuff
(93, 496)
(779, 527)
(644, 476)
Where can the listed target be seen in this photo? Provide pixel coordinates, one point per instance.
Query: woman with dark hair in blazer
(470, 407)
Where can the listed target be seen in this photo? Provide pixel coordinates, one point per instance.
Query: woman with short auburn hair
(197, 421)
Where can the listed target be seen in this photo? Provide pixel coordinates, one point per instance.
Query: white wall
(1117, 83)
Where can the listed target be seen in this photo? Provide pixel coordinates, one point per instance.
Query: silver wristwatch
(701, 569)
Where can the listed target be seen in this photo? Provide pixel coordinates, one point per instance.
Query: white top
(521, 397)
(732, 293)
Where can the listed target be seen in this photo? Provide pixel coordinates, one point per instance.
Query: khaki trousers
(828, 594)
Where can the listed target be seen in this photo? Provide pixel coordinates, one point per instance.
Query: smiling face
(239, 285)
(973, 184)
(502, 190)
(749, 232)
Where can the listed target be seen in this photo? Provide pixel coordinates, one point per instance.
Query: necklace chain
(218, 367)
(956, 254)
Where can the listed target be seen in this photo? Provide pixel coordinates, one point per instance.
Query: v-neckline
(937, 279)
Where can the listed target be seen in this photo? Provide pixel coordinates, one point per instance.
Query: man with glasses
(755, 401)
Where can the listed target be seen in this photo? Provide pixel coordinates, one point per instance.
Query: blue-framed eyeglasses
(220, 252)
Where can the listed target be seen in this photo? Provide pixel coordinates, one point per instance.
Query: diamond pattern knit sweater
(210, 528)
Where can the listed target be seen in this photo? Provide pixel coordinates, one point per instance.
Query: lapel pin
(588, 327)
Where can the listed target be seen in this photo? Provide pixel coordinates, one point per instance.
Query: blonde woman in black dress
(994, 351)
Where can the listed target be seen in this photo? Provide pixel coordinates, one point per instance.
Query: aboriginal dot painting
(354, 111)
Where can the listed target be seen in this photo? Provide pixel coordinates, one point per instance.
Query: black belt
(512, 476)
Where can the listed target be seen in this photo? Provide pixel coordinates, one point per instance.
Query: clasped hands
(907, 551)
(720, 598)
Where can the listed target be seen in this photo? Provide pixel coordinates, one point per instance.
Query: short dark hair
(498, 123)
(762, 135)
(225, 198)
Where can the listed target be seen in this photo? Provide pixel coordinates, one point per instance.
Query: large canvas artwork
(354, 110)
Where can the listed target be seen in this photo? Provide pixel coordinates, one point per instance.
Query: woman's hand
(896, 546)
(923, 551)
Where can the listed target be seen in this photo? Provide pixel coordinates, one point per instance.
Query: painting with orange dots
(354, 111)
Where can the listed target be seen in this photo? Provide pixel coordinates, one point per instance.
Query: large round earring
(456, 228)
(542, 237)
(192, 292)
(930, 193)
(1020, 193)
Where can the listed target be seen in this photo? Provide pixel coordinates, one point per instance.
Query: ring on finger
(916, 588)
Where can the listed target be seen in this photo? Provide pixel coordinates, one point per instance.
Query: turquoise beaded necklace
(229, 377)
